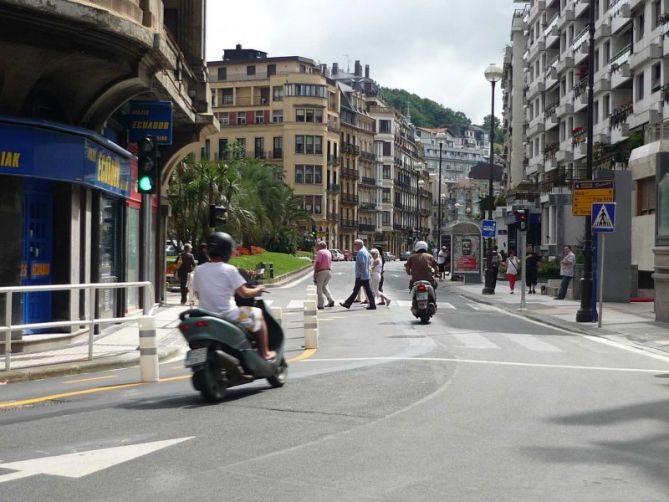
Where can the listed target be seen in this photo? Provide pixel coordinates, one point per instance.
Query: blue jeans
(564, 285)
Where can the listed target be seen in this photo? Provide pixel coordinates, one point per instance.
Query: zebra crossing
(478, 307)
(477, 340)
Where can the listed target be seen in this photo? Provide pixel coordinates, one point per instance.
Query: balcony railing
(367, 156)
(365, 180)
(333, 217)
(365, 227)
(334, 188)
(349, 198)
(368, 206)
(349, 224)
(347, 172)
(333, 161)
(620, 114)
(621, 57)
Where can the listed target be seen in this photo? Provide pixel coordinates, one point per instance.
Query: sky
(437, 49)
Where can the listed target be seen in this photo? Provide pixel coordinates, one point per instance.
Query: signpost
(603, 221)
(489, 229)
(587, 192)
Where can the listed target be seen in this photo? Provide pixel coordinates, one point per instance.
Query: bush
(548, 269)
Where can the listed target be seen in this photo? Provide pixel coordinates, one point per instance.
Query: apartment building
(629, 66)
(462, 148)
(283, 110)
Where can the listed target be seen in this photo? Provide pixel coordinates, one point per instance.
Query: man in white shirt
(566, 271)
(215, 284)
(442, 255)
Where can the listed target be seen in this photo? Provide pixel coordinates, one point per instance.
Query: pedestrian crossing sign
(603, 216)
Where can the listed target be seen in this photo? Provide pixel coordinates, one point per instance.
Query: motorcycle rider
(215, 284)
(421, 265)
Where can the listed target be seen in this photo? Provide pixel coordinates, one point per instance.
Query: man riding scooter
(421, 265)
(215, 284)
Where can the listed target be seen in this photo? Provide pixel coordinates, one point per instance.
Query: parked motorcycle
(223, 355)
(423, 301)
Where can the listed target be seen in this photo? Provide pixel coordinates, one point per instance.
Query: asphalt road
(479, 405)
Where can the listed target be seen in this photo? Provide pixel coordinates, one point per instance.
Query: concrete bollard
(148, 349)
(277, 314)
(310, 325)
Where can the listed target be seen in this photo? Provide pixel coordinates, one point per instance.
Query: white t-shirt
(215, 284)
(441, 257)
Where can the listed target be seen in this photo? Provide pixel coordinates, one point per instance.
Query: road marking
(90, 379)
(268, 303)
(475, 341)
(308, 273)
(530, 342)
(295, 305)
(80, 464)
(483, 307)
(304, 355)
(440, 305)
(483, 361)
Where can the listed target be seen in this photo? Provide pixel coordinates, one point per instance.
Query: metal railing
(91, 298)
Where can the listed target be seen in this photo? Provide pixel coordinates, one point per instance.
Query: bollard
(148, 349)
(277, 314)
(310, 325)
(270, 267)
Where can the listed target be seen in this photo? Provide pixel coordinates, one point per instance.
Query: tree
(424, 112)
(499, 134)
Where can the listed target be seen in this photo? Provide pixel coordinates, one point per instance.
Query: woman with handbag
(512, 269)
(186, 266)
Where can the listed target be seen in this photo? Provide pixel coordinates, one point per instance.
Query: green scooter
(223, 355)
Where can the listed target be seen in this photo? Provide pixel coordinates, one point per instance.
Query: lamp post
(440, 140)
(493, 74)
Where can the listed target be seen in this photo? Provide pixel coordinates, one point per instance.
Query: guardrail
(91, 297)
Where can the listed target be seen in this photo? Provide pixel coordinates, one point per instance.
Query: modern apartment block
(283, 110)
(630, 75)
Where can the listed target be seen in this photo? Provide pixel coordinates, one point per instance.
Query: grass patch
(283, 263)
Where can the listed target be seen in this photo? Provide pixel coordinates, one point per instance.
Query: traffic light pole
(146, 237)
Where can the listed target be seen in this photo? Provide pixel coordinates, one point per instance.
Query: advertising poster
(466, 253)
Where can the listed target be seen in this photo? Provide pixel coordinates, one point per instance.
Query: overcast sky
(437, 49)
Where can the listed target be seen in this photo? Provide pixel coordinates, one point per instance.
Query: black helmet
(220, 245)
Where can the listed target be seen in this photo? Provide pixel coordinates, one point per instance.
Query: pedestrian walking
(512, 269)
(186, 266)
(376, 271)
(202, 256)
(383, 266)
(531, 269)
(441, 262)
(322, 275)
(495, 260)
(566, 271)
(362, 276)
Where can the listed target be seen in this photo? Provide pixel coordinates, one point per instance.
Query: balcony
(651, 51)
(536, 87)
(367, 181)
(334, 188)
(537, 128)
(347, 172)
(367, 206)
(603, 30)
(333, 217)
(369, 156)
(565, 63)
(621, 15)
(566, 17)
(581, 8)
(580, 102)
(333, 161)
(350, 148)
(602, 84)
(333, 126)
(563, 110)
(348, 224)
(366, 227)
(538, 46)
(536, 9)
(349, 198)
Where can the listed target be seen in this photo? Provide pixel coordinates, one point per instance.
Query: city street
(480, 404)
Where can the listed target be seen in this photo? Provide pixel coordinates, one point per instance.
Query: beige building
(284, 110)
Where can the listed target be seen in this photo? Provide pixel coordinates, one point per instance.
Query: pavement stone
(631, 324)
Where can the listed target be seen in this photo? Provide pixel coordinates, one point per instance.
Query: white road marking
(440, 305)
(308, 273)
(475, 341)
(295, 305)
(530, 342)
(483, 307)
(80, 464)
(268, 303)
(483, 361)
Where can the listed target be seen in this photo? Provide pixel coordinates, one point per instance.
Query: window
(308, 175)
(311, 145)
(606, 106)
(299, 175)
(640, 27)
(596, 60)
(386, 171)
(241, 147)
(271, 69)
(259, 148)
(385, 218)
(299, 115)
(595, 112)
(657, 12)
(385, 126)
(607, 52)
(228, 96)
(639, 86)
(656, 77)
(260, 117)
(277, 93)
(312, 204)
(277, 147)
(309, 116)
(303, 69)
(241, 118)
(306, 90)
(386, 195)
(318, 116)
(646, 196)
(387, 148)
(251, 70)
(224, 118)
(222, 73)
(277, 116)
(222, 148)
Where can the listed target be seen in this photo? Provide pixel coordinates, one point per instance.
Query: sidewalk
(118, 346)
(632, 324)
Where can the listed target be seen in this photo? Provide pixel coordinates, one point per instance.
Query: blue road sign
(603, 216)
(488, 229)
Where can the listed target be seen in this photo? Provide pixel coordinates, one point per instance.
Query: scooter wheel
(281, 375)
(212, 389)
(424, 319)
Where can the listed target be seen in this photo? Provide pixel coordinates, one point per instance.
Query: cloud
(437, 49)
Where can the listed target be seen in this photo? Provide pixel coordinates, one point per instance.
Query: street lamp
(493, 74)
(440, 139)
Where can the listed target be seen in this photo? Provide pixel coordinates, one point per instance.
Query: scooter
(423, 301)
(223, 355)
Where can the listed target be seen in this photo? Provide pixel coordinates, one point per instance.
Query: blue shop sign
(48, 150)
(150, 118)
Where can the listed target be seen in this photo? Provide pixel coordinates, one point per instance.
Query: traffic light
(217, 216)
(148, 173)
(521, 219)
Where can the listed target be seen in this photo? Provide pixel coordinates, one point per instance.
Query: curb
(74, 368)
(575, 328)
(283, 278)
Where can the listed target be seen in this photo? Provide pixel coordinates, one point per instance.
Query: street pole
(584, 314)
(523, 268)
(601, 281)
(441, 145)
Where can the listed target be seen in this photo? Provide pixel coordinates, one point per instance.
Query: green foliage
(499, 134)
(283, 263)
(548, 269)
(424, 112)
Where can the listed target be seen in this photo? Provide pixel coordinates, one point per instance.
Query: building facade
(69, 210)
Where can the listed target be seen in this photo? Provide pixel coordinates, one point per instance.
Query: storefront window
(109, 254)
(132, 257)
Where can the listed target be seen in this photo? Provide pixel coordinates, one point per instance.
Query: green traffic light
(145, 184)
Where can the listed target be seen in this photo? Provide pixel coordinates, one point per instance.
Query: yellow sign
(10, 159)
(585, 193)
(40, 269)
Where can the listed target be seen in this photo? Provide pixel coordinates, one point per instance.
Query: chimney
(238, 47)
(358, 68)
(335, 68)
(366, 71)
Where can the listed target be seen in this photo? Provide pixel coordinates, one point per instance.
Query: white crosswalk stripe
(475, 341)
(295, 305)
(482, 307)
(440, 305)
(530, 342)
